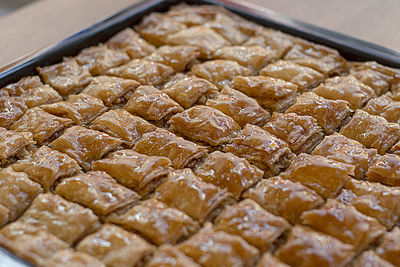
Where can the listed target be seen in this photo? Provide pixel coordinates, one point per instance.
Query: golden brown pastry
(301, 133)
(23, 85)
(116, 247)
(308, 248)
(97, 191)
(284, 198)
(13, 143)
(259, 147)
(346, 88)
(372, 131)
(46, 165)
(229, 171)
(67, 77)
(250, 221)
(272, 94)
(66, 220)
(204, 124)
(386, 170)
(325, 176)
(187, 192)
(119, 123)
(169, 256)
(373, 199)
(69, 257)
(340, 148)
(389, 248)
(84, 145)
(370, 258)
(194, 14)
(163, 143)
(384, 106)
(213, 248)
(139, 172)
(267, 260)
(156, 222)
(11, 109)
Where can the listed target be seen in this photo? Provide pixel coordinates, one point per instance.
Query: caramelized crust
(302, 133)
(384, 106)
(157, 222)
(46, 165)
(330, 114)
(325, 176)
(211, 248)
(178, 57)
(129, 41)
(12, 143)
(205, 124)
(389, 249)
(69, 257)
(229, 171)
(346, 150)
(370, 258)
(187, 192)
(194, 14)
(267, 260)
(165, 144)
(386, 170)
(284, 198)
(272, 94)
(372, 131)
(22, 86)
(169, 256)
(270, 154)
(11, 109)
(250, 221)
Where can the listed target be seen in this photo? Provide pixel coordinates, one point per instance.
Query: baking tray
(350, 48)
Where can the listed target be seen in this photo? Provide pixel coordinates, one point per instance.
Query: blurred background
(7, 6)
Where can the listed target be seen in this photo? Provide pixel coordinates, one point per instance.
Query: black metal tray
(350, 48)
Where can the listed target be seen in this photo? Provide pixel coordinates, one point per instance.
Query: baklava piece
(308, 248)
(169, 256)
(374, 200)
(284, 198)
(11, 109)
(205, 124)
(321, 58)
(250, 221)
(304, 77)
(152, 104)
(301, 133)
(220, 72)
(139, 172)
(67, 77)
(178, 57)
(252, 57)
(129, 41)
(205, 39)
(110, 90)
(384, 106)
(344, 223)
(66, 220)
(30, 243)
(82, 108)
(194, 14)
(44, 126)
(97, 191)
(386, 170)
(16, 193)
(242, 108)
(377, 76)
(69, 257)
(229, 171)
(116, 247)
(210, 247)
(156, 27)
(190, 90)
(340, 148)
(121, 124)
(330, 114)
(98, 59)
(268, 260)
(144, 71)
(389, 248)
(85, 145)
(372, 131)
(370, 258)
(45, 166)
(325, 176)
(188, 193)
(259, 147)
(23, 85)
(272, 94)
(13, 144)
(396, 148)
(346, 88)
(157, 222)
(163, 143)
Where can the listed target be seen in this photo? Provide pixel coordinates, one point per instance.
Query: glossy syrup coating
(69, 257)
(268, 260)
(389, 248)
(11, 109)
(370, 258)
(301, 133)
(169, 256)
(384, 106)
(157, 222)
(23, 85)
(194, 14)
(11, 143)
(163, 143)
(386, 170)
(271, 93)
